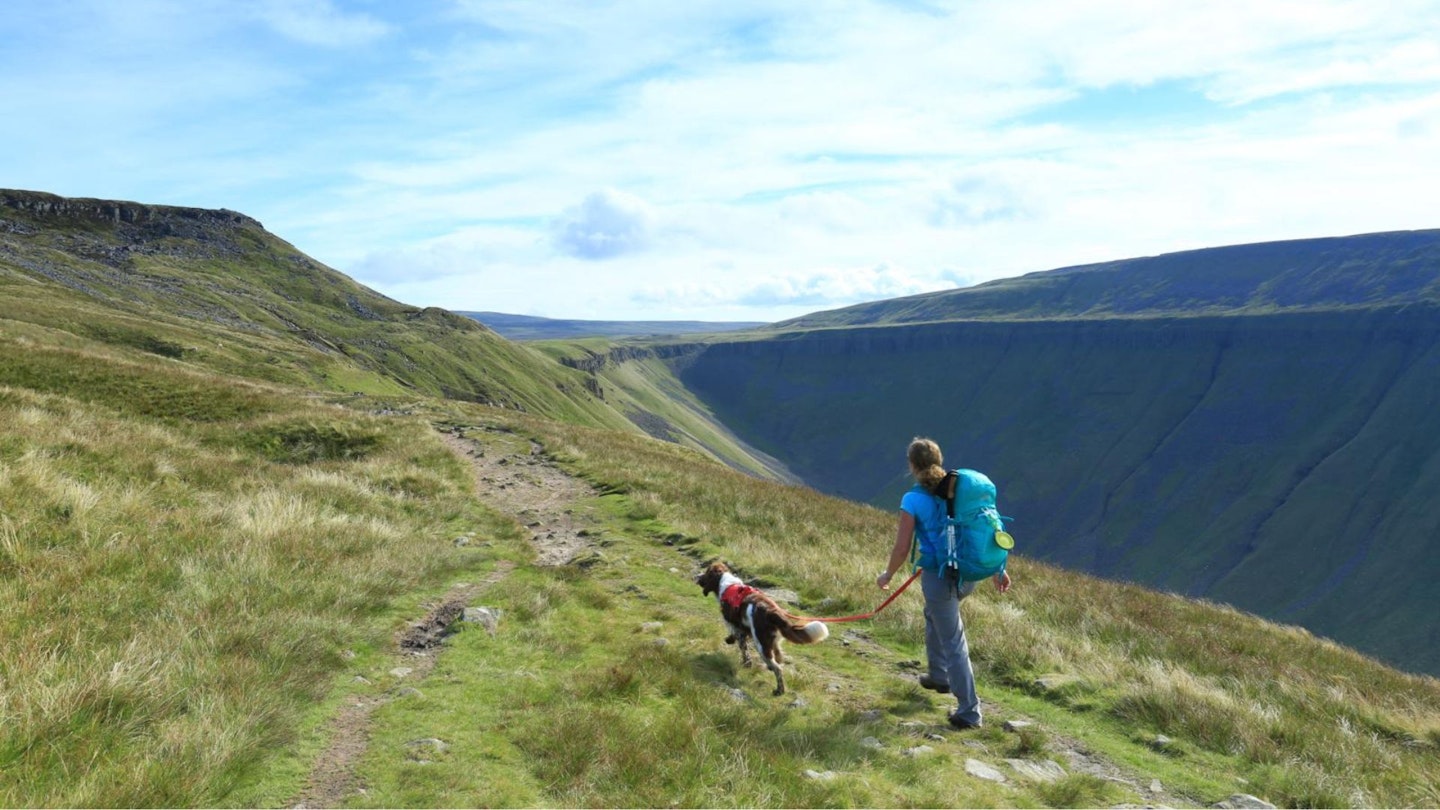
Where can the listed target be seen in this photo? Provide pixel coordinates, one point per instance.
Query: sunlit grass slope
(205, 535)
(216, 290)
(183, 560)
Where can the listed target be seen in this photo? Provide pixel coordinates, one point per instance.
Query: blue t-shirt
(929, 514)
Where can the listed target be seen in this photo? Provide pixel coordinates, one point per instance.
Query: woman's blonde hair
(926, 462)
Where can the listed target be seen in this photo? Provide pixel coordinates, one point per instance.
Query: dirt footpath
(516, 480)
(528, 487)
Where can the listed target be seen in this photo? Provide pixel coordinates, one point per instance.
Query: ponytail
(926, 462)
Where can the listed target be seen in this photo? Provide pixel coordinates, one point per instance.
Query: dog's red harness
(732, 596)
(733, 592)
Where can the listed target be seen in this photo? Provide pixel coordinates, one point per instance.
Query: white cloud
(973, 199)
(835, 287)
(606, 224)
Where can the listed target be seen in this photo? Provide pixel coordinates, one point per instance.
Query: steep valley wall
(1285, 464)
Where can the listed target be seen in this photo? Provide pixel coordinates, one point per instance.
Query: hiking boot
(934, 686)
(958, 722)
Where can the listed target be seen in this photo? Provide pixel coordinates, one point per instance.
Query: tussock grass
(1079, 790)
(174, 600)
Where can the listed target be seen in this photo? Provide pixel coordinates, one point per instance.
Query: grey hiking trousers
(945, 645)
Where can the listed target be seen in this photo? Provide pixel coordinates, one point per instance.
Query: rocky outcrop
(593, 362)
(41, 204)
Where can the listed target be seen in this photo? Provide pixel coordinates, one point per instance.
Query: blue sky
(731, 160)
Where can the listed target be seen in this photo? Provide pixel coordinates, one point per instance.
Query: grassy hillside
(1370, 270)
(183, 559)
(215, 290)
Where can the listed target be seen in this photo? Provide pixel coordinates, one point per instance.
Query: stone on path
(486, 617)
(980, 770)
(1046, 771)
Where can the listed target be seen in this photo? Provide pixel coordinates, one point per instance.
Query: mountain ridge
(1365, 270)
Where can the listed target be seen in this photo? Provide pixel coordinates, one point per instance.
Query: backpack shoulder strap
(946, 490)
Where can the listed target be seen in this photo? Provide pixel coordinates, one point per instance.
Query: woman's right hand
(883, 581)
(1002, 581)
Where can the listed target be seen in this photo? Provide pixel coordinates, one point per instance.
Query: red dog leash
(872, 613)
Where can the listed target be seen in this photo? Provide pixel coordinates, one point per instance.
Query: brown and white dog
(754, 616)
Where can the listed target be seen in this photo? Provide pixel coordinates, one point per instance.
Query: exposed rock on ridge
(43, 204)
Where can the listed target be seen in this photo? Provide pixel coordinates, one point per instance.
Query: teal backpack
(977, 545)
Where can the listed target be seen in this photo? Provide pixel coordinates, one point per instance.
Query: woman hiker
(922, 516)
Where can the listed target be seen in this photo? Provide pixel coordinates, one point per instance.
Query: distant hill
(528, 327)
(1370, 270)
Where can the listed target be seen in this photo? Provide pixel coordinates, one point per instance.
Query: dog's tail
(803, 632)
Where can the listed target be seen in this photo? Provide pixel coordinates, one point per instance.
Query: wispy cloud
(738, 159)
(320, 22)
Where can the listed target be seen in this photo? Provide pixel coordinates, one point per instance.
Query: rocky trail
(515, 477)
(522, 484)
(528, 487)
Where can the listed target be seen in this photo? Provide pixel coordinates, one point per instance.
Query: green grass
(646, 390)
(175, 600)
(234, 299)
